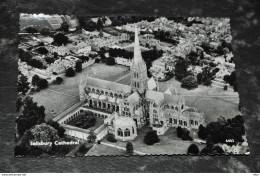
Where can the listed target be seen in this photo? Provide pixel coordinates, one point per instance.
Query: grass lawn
(169, 143)
(214, 107)
(104, 150)
(54, 103)
(58, 98)
(99, 122)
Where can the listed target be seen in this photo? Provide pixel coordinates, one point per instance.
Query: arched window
(127, 132)
(133, 130)
(181, 107)
(176, 108)
(136, 75)
(154, 105)
(172, 107)
(102, 92)
(154, 111)
(138, 84)
(119, 132)
(93, 90)
(166, 106)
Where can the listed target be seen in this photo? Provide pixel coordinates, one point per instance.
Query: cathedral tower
(138, 68)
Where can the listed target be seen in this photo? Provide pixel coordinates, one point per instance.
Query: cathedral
(138, 104)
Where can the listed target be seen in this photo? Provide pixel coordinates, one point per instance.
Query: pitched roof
(171, 99)
(104, 84)
(155, 96)
(162, 98)
(134, 98)
(151, 83)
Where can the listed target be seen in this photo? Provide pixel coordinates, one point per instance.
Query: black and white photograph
(127, 85)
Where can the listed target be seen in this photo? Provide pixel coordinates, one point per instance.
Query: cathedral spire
(138, 68)
(137, 51)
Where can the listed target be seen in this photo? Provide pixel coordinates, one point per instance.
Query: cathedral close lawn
(58, 98)
(169, 143)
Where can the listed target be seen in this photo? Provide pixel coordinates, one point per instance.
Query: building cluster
(139, 103)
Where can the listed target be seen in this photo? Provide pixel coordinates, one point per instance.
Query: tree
(99, 24)
(179, 131)
(189, 82)
(58, 127)
(92, 137)
(111, 138)
(35, 80)
(44, 132)
(218, 150)
(220, 50)
(193, 150)
(206, 76)
(185, 135)
(181, 69)
(70, 72)
(89, 25)
(110, 61)
(78, 66)
(209, 141)
(60, 39)
(27, 57)
(129, 148)
(64, 27)
(202, 132)
(31, 115)
(82, 148)
(45, 31)
(59, 80)
(206, 151)
(199, 77)
(23, 84)
(49, 60)
(36, 63)
(42, 84)
(226, 78)
(31, 30)
(151, 138)
(42, 50)
(225, 87)
(212, 64)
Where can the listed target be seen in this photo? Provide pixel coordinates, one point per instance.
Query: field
(58, 98)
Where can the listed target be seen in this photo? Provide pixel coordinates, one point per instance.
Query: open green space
(104, 150)
(58, 98)
(169, 143)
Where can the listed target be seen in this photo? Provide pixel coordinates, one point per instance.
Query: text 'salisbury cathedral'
(133, 106)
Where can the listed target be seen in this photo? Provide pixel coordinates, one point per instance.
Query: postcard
(127, 85)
